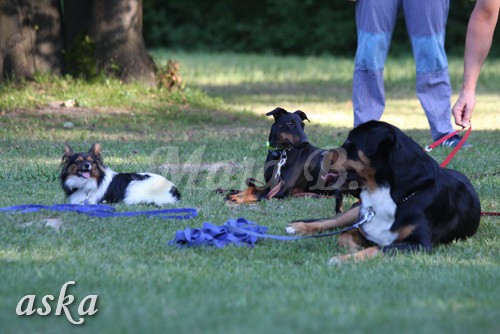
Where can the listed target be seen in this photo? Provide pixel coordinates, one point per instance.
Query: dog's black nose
(86, 165)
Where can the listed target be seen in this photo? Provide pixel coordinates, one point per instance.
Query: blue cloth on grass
(218, 236)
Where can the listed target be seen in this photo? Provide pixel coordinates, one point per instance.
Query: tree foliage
(307, 27)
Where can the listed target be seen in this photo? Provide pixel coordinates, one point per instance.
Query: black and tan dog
(293, 166)
(417, 203)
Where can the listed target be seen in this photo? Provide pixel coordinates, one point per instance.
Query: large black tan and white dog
(417, 203)
(85, 179)
(293, 166)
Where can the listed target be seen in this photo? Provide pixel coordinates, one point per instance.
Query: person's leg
(375, 20)
(426, 24)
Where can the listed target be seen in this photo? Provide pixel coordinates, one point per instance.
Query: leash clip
(428, 148)
(368, 217)
(281, 163)
(87, 196)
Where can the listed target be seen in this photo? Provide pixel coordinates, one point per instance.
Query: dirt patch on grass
(74, 111)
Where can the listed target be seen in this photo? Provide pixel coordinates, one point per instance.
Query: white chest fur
(378, 229)
(88, 191)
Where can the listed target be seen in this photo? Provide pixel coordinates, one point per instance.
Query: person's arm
(478, 41)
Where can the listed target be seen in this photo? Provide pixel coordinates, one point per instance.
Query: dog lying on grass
(417, 203)
(86, 180)
(293, 166)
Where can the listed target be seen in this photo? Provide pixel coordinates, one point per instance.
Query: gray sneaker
(453, 142)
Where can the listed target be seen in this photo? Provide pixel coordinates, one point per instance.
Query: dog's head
(380, 153)
(368, 148)
(287, 129)
(81, 170)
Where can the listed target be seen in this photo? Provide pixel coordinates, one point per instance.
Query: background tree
(30, 37)
(99, 36)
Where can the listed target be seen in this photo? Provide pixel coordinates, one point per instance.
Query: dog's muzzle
(85, 170)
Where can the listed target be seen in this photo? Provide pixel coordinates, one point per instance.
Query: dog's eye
(291, 123)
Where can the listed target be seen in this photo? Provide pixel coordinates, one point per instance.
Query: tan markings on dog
(246, 196)
(347, 218)
(353, 240)
(363, 169)
(367, 253)
(286, 137)
(405, 231)
(72, 169)
(79, 159)
(95, 170)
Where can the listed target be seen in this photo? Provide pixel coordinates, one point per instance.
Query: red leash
(490, 214)
(455, 150)
(452, 154)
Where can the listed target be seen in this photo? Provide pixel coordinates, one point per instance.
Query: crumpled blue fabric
(219, 236)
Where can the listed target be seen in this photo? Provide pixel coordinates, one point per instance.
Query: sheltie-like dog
(86, 180)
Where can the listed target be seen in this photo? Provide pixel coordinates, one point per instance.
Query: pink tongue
(86, 175)
(330, 175)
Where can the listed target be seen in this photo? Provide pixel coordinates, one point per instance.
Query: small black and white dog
(86, 180)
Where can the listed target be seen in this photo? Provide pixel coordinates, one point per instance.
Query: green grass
(279, 287)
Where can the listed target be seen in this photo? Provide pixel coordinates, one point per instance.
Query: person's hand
(463, 108)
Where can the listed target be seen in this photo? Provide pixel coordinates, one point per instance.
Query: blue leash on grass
(102, 210)
(242, 232)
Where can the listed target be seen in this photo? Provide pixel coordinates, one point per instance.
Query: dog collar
(281, 163)
(87, 196)
(407, 197)
(272, 148)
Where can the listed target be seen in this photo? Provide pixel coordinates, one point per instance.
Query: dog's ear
(381, 140)
(96, 150)
(277, 113)
(68, 152)
(302, 115)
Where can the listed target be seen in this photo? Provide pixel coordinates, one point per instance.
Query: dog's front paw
(365, 254)
(234, 198)
(301, 228)
(248, 196)
(338, 260)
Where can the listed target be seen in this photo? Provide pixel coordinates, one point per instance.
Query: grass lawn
(144, 285)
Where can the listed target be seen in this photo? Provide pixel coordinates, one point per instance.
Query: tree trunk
(30, 38)
(116, 29)
(76, 21)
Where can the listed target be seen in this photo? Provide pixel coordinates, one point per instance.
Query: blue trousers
(425, 23)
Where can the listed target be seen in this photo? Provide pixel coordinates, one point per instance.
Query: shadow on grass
(269, 93)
